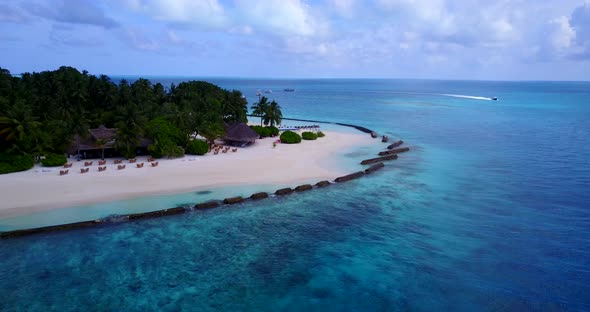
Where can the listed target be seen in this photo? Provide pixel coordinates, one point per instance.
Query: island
(69, 138)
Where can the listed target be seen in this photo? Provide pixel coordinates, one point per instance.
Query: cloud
(379, 31)
(580, 23)
(350, 35)
(286, 17)
(11, 14)
(205, 13)
(73, 12)
(282, 18)
(566, 37)
(139, 40)
(345, 8)
(563, 34)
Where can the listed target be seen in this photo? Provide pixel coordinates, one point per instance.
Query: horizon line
(308, 78)
(334, 78)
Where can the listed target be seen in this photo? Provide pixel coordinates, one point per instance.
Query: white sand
(42, 188)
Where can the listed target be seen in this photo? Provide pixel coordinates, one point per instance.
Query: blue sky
(440, 39)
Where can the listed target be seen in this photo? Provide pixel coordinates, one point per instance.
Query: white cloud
(287, 17)
(563, 34)
(424, 10)
(344, 8)
(300, 45)
(284, 18)
(242, 30)
(206, 13)
(173, 37)
(387, 33)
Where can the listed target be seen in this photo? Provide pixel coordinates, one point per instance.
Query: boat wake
(469, 97)
(482, 98)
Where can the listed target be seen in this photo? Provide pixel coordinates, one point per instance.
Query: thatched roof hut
(108, 135)
(103, 133)
(239, 132)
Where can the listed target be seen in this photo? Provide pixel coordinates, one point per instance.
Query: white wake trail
(469, 97)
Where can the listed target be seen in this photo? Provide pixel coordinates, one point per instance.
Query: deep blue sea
(489, 211)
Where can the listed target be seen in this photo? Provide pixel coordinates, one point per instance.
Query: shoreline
(114, 219)
(35, 191)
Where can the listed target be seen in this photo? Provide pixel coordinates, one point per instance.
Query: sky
(434, 39)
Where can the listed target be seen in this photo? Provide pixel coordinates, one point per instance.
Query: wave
(469, 97)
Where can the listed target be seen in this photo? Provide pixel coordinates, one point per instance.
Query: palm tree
(129, 129)
(101, 143)
(18, 127)
(78, 126)
(273, 114)
(234, 107)
(11, 129)
(127, 140)
(211, 130)
(259, 109)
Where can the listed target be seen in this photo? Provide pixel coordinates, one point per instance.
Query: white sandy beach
(43, 188)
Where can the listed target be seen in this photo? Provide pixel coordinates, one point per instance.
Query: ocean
(487, 212)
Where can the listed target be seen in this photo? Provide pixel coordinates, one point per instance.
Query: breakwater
(394, 151)
(377, 164)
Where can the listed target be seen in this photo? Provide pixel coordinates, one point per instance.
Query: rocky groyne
(394, 151)
(378, 159)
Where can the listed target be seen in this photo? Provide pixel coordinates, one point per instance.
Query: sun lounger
(63, 172)
(121, 167)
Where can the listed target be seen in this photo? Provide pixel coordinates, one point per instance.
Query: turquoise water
(487, 212)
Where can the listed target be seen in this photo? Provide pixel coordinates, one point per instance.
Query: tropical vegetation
(45, 113)
(14, 163)
(307, 135)
(197, 147)
(269, 113)
(273, 130)
(265, 131)
(54, 160)
(290, 137)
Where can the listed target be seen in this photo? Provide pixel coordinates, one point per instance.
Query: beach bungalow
(101, 138)
(239, 134)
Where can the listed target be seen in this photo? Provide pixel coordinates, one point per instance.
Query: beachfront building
(239, 134)
(92, 145)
